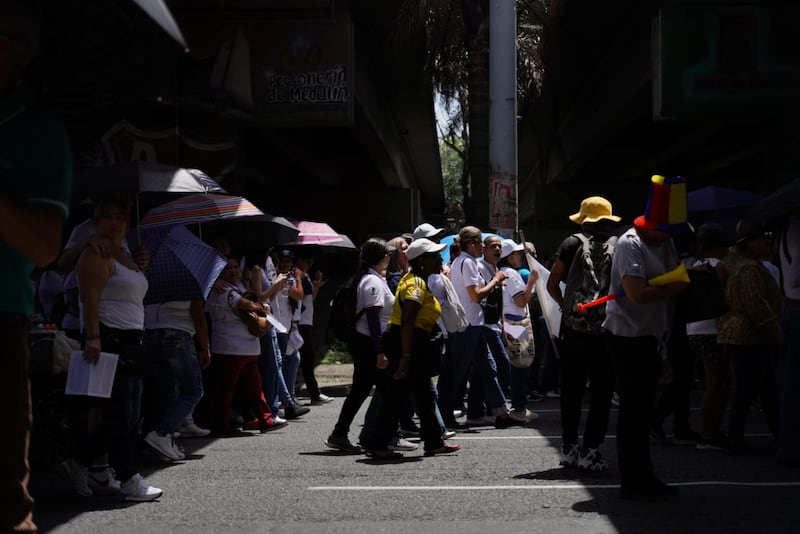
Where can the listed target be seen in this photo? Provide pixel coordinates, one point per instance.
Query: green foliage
(337, 353)
(452, 173)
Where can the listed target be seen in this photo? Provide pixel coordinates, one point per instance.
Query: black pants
(395, 394)
(753, 374)
(676, 397)
(637, 365)
(120, 413)
(308, 357)
(585, 356)
(364, 377)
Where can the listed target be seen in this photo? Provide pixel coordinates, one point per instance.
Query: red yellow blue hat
(666, 206)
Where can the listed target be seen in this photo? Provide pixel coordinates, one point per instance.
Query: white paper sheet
(516, 331)
(93, 380)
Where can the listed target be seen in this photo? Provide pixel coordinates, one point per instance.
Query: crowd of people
(453, 343)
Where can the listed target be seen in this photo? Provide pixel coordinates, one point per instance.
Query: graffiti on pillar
(503, 203)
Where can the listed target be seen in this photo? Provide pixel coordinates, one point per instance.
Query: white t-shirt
(463, 273)
(634, 257)
(174, 314)
(307, 305)
(373, 290)
(790, 264)
(229, 334)
(514, 285)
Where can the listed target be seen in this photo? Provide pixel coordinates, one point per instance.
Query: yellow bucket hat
(594, 209)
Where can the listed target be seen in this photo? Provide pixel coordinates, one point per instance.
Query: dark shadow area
(564, 473)
(381, 461)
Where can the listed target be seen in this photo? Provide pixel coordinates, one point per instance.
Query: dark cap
(286, 253)
(747, 230)
(374, 249)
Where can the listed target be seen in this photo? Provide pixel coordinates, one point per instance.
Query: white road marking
(546, 486)
(463, 437)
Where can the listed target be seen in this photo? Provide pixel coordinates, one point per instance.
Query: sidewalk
(332, 375)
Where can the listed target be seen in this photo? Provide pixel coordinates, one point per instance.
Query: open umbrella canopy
(142, 177)
(181, 267)
(200, 209)
(236, 217)
(713, 198)
(314, 233)
(343, 245)
(776, 205)
(160, 13)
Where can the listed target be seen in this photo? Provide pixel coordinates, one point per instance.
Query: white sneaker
(569, 455)
(137, 489)
(191, 430)
(164, 444)
(103, 481)
(591, 460)
(77, 475)
(401, 444)
(322, 399)
(279, 420)
(449, 434)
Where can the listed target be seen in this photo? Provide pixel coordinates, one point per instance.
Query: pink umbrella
(314, 233)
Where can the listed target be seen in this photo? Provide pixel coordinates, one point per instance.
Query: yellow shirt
(414, 288)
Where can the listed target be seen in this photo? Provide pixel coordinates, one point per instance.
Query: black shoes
(294, 410)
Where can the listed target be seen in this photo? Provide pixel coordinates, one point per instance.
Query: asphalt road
(502, 481)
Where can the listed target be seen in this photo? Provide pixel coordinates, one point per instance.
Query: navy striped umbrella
(182, 267)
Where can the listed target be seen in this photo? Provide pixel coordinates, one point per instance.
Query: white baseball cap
(421, 246)
(509, 247)
(428, 231)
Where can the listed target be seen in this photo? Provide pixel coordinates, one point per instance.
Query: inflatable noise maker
(678, 274)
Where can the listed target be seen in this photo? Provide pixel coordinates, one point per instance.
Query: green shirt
(35, 168)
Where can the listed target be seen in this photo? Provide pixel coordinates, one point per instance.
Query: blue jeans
(291, 364)
(177, 374)
(789, 427)
(469, 348)
(270, 364)
(515, 377)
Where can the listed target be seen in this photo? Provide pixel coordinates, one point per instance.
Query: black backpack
(588, 278)
(343, 316)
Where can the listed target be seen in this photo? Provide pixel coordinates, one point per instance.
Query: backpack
(704, 298)
(453, 315)
(588, 278)
(343, 317)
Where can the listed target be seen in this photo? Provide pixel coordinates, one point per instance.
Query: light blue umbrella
(448, 240)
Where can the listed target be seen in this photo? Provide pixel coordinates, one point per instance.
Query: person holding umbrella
(112, 292)
(181, 274)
